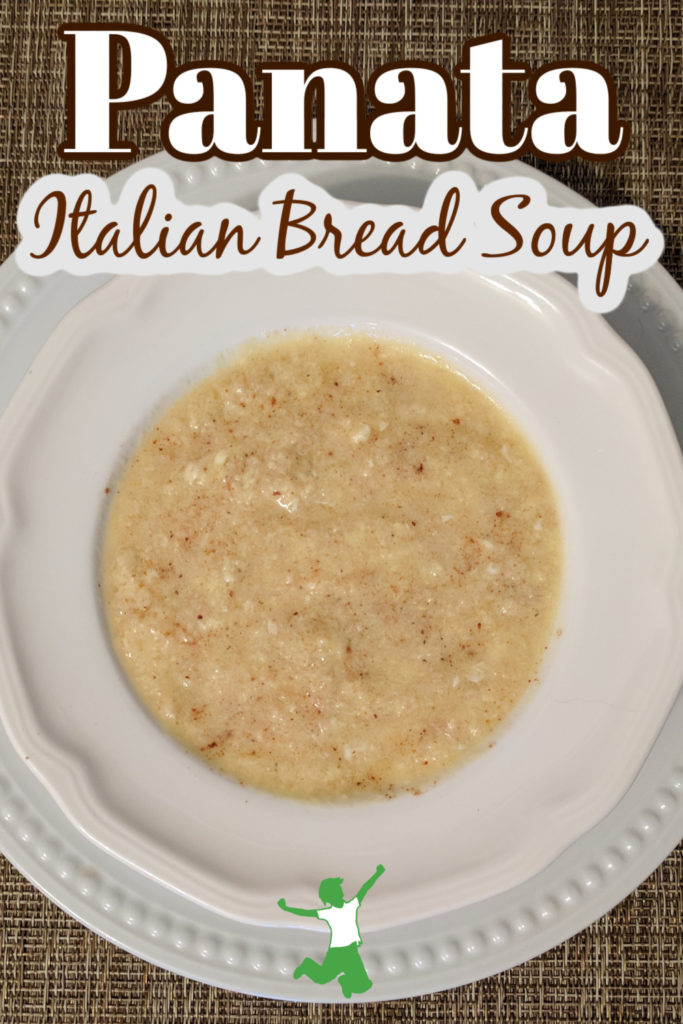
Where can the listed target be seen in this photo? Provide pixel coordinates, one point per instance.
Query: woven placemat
(627, 966)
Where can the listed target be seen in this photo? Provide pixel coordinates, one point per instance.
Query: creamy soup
(332, 568)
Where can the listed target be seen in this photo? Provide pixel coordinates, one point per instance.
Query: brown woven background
(625, 968)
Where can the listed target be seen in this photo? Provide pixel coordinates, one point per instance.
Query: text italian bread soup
(332, 568)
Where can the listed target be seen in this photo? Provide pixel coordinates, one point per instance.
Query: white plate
(400, 969)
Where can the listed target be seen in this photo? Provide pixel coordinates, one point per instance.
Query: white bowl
(570, 753)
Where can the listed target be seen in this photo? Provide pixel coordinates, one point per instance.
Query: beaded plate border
(142, 916)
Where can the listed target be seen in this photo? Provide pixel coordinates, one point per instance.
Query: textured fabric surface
(627, 966)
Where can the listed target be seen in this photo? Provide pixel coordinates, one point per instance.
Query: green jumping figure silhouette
(342, 960)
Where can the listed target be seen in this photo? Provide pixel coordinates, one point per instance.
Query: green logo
(343, 960)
